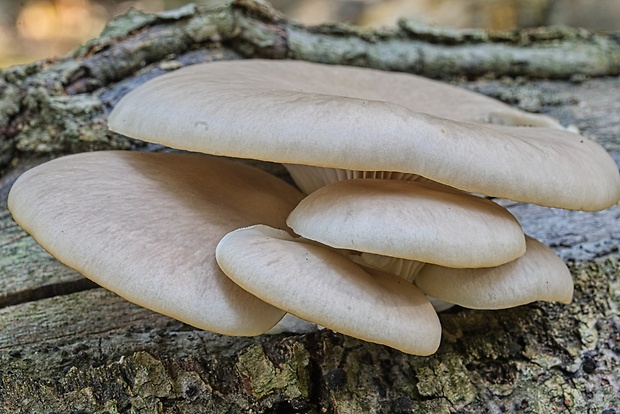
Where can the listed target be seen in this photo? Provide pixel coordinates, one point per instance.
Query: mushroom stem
(403, 268)
(438, 304)
(293, 324)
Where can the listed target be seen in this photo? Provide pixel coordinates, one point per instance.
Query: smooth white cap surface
(410, 220)
(146, 226)
(361, 119)
(320, 285)
(537, 275)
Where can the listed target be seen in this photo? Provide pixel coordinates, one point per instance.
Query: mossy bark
(68, 346)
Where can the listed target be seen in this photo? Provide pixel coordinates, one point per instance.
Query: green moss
(446, 378)
(264, 377)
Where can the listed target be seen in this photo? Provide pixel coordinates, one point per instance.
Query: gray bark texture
(68, 346)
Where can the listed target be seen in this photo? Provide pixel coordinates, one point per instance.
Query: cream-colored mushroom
(318, 284)
(410, 220)
(361, 119)
(146, 226)
(456, 247)
(537, 275)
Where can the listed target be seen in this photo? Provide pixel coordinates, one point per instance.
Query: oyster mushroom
(456, 247)
(318, 284)
(411, 221)
(538, 275)
(333, 121)
(355, 119)
(145, 226)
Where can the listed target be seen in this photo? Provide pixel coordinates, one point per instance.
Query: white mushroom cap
(361, 119)
(410, 220)
(319, 285)
(146, 226)
(537, 275)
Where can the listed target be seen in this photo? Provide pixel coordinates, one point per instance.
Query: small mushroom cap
(410, 220)
(319, 285)
(537, 275)
(146, 226)
(361, 119)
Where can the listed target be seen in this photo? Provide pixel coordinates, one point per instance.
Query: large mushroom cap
(361, 119)
(410, 220)
(146, 226)
(318, 284)
(537, 275)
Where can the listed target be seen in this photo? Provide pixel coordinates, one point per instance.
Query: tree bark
(69, 346)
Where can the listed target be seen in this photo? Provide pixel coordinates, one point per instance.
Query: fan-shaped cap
(537, 275)
(361, 119)
(318, 284)
(146, 226)
(410, 220)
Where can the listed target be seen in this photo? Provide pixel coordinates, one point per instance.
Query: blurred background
(36, 29)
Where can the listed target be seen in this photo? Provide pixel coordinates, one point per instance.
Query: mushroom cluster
(389, 226)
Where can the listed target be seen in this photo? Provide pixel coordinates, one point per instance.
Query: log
(67, 345)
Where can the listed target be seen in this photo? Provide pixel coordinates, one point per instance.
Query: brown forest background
(36, 29)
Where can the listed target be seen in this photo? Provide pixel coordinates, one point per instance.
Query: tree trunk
(69, 346)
